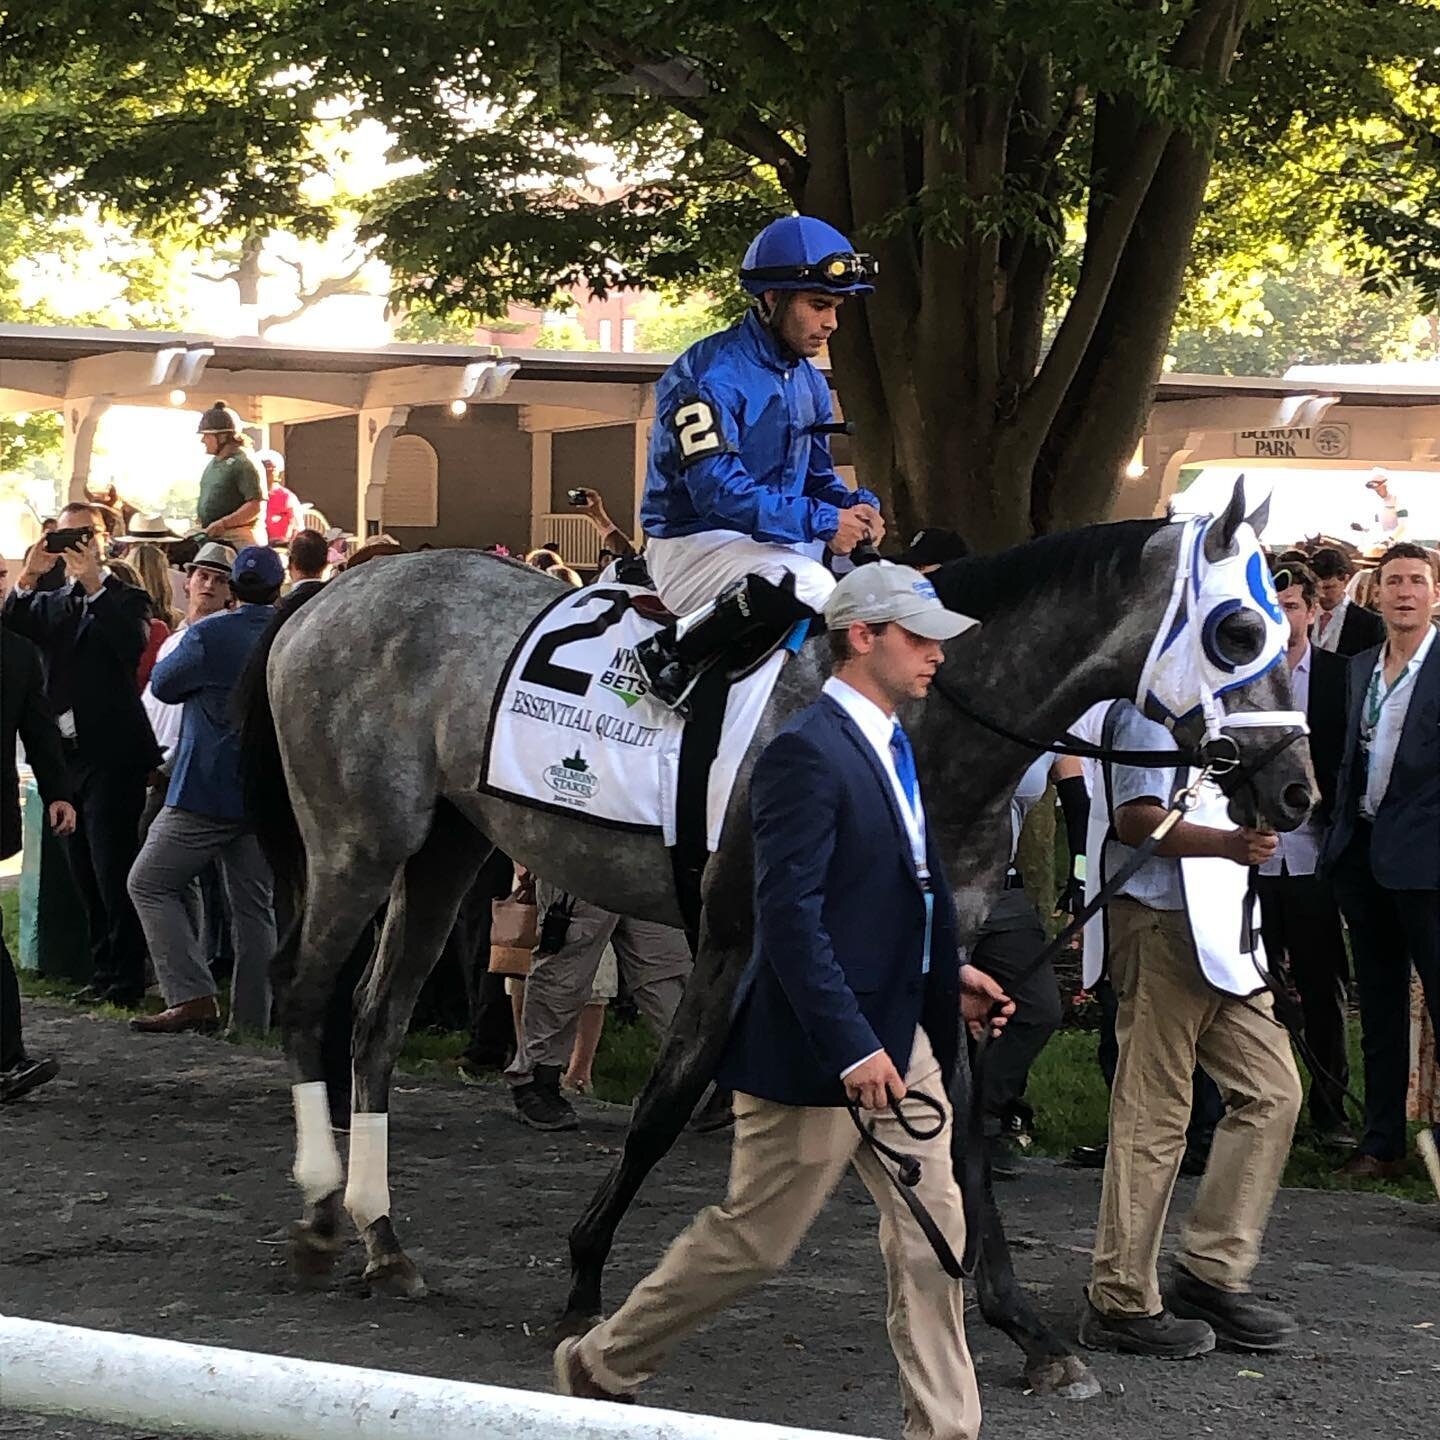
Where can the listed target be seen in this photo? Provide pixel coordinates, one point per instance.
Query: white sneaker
(1429, 1149)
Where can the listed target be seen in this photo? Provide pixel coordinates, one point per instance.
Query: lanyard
(1375, 702)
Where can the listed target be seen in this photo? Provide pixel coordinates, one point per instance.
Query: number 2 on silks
(541, 669)
(695, 429)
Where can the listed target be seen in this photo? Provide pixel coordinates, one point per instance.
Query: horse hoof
(574, 1323)
(1065, 1377)
(312, 1255)
(395, 1277)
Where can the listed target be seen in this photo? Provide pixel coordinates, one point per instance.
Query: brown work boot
(572, 1378)
(1368, 1167)
(201, 1015)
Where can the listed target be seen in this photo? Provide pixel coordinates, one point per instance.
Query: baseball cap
(877, 594)
(933, 546)
(259, 567)
(213, 555)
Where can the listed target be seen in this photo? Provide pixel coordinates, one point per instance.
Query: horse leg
(1051, 1366)
(338, 906)
(684, 1068)
(424, 902)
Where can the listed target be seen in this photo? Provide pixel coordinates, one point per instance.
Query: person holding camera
(612, 538)
(91, 634)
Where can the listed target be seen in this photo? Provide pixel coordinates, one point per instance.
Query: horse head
(1215, 672)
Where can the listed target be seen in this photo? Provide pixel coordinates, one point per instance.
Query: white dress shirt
(1299, 849)
(1326, 635)
(165, 719)
(1380, 740)
(877, 727)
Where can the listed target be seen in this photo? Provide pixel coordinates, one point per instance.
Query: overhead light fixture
(458, 408)
(177, 397)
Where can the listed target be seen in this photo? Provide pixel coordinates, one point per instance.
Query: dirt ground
(147, 1190)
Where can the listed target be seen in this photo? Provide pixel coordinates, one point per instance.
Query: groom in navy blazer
(853, 993)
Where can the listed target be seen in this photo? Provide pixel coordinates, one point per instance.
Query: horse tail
(267, 795)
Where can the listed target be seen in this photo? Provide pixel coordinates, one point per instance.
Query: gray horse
(368, 724)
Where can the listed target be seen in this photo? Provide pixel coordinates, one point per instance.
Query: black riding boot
(745, 619)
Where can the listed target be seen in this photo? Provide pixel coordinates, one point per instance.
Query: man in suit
(852, 995)
(307, 570)
(1341, 627)
(24, 714)
(1298, 915)
(1383, 848)
(91, 633)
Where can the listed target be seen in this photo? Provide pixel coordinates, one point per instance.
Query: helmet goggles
(844, 271)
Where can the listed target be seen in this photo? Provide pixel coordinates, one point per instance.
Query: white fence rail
(162, 1385)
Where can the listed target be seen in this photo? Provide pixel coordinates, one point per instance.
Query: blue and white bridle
(1187, 670)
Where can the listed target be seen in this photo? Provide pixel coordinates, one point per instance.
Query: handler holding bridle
(854, 983)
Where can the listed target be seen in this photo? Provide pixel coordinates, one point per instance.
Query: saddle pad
(574, 730)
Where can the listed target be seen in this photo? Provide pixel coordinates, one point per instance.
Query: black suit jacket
(1361, 629)
(836, 971)
(301, 593)
(1325, 712)
(1405, 845)
(24, 713)
(102, 643)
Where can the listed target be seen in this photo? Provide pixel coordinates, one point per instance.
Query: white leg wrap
(367, 1196)
(317, 1162)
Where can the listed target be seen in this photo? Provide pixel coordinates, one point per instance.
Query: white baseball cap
(884, 594)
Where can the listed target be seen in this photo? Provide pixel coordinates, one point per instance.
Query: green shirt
(227, 484)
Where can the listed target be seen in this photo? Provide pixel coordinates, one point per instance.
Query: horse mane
(1092, 558)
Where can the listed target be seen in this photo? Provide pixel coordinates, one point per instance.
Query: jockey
(741, 496)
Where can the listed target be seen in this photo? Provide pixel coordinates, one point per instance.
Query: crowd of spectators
(140, 636)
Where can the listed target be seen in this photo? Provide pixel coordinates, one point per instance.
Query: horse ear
(1220, 533)
(1259, 517)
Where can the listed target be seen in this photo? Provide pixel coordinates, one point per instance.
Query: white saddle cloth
(574, 730)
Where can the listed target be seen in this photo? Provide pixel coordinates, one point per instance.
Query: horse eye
(1240, 637)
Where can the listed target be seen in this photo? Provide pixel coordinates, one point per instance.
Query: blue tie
(905, 767)
(910, 784)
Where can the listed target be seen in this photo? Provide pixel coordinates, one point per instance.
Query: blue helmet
(799, 252)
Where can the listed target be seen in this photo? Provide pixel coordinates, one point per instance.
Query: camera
(59, 541)
(578, 498)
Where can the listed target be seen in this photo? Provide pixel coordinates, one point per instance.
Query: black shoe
(28, 1075)
(1240, 1321)
(1162, 1337)
(744, 621)
(1336, 1137)
(1090, 1157)
(90, 994)
(122, 997)
(540, 1103)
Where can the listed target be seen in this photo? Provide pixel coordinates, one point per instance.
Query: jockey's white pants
(691, 570)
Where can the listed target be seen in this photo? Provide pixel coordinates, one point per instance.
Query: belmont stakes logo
(625, 678)
(573, 780)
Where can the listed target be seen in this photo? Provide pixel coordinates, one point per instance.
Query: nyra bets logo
(573, 780)
(624, 677)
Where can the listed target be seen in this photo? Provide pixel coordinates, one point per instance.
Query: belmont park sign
(1295, 442)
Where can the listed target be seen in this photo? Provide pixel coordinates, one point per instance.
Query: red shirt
(282, 515)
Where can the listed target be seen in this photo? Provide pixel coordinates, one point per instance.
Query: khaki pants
(786, 1162)
(1168, 1018)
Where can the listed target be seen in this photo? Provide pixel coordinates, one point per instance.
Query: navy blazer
(1405, 844)
(836, 970)
(102, 642)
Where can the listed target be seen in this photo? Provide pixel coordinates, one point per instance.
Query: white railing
(578, 539)
(204, 1390)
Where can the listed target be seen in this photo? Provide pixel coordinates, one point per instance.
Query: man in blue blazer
(853, 993)
(1383, 847)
